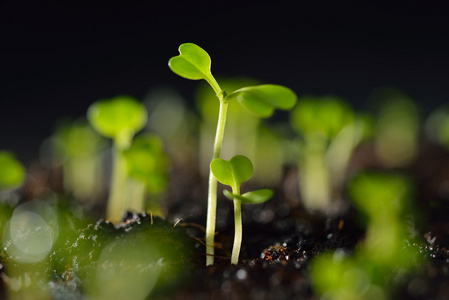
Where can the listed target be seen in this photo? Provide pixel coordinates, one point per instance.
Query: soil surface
(280, 239)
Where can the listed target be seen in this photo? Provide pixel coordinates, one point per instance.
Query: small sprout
(397, 128)
(326, 125)
(118, 118)
(148, 165)
(233, 173)
(12, 172)
(366, 273)
(78, 148)
(194, 63)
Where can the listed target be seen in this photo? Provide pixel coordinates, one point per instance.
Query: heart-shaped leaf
(193, 62)
(233, 172)
(262, 100)
(254, 197)
(118, 118)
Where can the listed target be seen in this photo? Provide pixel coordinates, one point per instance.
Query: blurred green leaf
(147, 161)
(118, 118)
(323, 115)
(76, 139)
(12, 172)
(376, 192)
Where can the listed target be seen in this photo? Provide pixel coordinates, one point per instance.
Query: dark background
(56, 59)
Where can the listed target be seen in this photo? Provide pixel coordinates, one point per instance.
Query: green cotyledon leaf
(262, 100)
(233, 172)
(193, 62)
(253, 197)
(118, 118)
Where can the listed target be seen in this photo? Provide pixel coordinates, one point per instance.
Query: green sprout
(320, 120)
(77, 148)
(12, 172)
(234, 172)
(194, 63)
(397, 128)
(380, 260)
(119, 118)
(147, 166)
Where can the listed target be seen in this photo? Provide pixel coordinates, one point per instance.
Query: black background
(57, 58)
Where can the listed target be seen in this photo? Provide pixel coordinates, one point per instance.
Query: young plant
(233, 173)
(147, 166)
(329, 134)
(397, 128)
(118, 118)
(194, 63)
(78, 149)
(380, 260)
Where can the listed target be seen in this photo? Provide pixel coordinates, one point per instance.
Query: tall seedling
(118, 118)
(194, 63)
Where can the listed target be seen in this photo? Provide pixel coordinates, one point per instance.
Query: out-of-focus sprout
(397, 128)
(175, 124)
(78, 148)
(379, 260)
(147, 167)
(234, 172)
(119, 118)
(342, 147)
(329, 133)
(194, 63)
(436, 126)
(12, 172)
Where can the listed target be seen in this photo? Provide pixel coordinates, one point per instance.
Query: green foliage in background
(12, 172)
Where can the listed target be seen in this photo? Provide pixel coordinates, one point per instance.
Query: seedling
(12, 172)
(397, 128)
(329, 135)
(233, 173)
(118, 118)
(381, 259)
(78, 148)
(147, 166)
(194, 63)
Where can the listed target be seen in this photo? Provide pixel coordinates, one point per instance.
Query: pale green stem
(135, 194)
(212, 193)
(115, 208)
(238, 227)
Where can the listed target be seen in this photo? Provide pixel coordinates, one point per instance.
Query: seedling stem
(238, 226)
(212, 192)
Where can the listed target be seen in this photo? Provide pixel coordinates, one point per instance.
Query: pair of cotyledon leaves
(194, 63)
(118, 118)
(234, 172)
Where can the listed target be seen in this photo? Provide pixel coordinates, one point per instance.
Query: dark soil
(280, 240)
